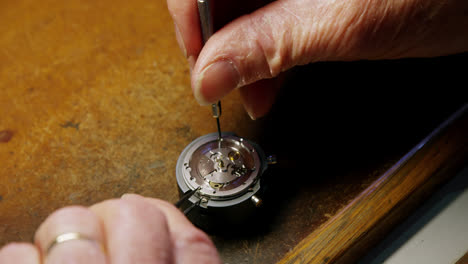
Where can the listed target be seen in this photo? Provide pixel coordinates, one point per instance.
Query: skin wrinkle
(280, 57)
(418, 34)
(297, 47)
(352, 36)
(252, 72)
(355, 21)
(390, 33)
(324, 38)
(289, 11)
(289, 51)
(379, 20)
(400, 31)
(319, 40)
(322, 29)
(369, 36)
(295, 37)
(264, 44)
(286, 33)
(261, 28)
(429, 14)
(224, 53)
(273, 43)
(288, 44)
(122, 215)
(353, 18)
(227, 53)
(349, 40)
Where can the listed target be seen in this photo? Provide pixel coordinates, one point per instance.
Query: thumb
(286, 33)
(263, 44)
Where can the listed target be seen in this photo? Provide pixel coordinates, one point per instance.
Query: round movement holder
(224, 176)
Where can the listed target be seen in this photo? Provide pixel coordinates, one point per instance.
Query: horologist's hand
(133, 229)
(254, 48)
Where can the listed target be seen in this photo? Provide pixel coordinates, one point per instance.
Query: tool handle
(206, 18)
(206, 24)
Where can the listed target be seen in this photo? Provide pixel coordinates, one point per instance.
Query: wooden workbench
(95, 102)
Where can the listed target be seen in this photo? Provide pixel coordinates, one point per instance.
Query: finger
(258, 97)
(187, 26)
(136, 232)
(260, 46)
(19, 253)
(191, 245)
(71, 220)
(286, 33)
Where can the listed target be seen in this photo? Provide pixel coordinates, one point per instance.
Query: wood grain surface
(393, 195)
(95, 102)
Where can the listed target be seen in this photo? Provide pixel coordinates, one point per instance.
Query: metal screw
(256, 201)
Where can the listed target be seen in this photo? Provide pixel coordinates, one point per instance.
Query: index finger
(187, 26)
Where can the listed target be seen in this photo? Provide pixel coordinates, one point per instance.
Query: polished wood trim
(463, 260)
(388, 200)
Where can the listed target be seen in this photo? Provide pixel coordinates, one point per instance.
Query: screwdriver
(206, 23)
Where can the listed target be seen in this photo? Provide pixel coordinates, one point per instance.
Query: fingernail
(248, 107)
(250, 113)
(216, 81)
(129, 196)
(180, 40)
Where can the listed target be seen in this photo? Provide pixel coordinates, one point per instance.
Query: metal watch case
(226, 175)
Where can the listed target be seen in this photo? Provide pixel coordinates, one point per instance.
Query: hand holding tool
(206, 23)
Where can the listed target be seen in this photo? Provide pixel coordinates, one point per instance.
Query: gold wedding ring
(70, 236)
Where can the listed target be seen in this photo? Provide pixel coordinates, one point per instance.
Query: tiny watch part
(226, 176)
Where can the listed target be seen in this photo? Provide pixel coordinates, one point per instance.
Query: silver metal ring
(70, 236)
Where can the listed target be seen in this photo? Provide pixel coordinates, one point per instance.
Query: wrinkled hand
(132, 229)
(256, 47)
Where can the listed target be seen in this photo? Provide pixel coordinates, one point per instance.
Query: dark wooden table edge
(336, 241)
(463, 259)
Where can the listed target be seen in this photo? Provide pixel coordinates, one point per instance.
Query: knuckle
(134, 208)
(267, 43)
(69, 210)
(198, 238)
(62, 220)
(120, 208)
(279, 37)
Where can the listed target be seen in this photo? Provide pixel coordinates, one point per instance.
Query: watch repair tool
(220, 180)
(216, 108)
(184, 198)
(206, 25)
